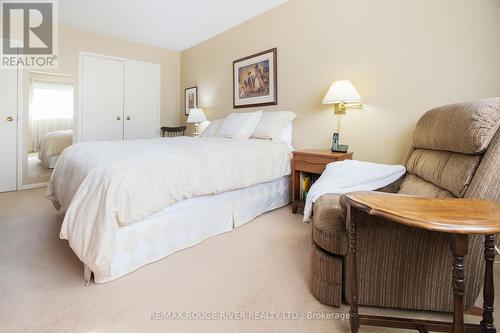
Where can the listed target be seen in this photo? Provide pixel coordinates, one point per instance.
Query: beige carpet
(36, 170)
(262, 266)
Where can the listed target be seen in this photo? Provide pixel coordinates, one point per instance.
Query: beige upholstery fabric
(414, 185)
(462, 128)
(326, 277)
(486, 182)
(328, 226)
(448, 170)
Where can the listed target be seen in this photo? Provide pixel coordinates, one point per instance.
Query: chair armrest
(328, 225)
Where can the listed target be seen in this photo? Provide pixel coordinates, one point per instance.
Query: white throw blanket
(103, 186)
(349, 176)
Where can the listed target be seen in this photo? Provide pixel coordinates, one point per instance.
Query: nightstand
(312, 161)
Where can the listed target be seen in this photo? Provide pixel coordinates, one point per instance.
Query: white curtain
(51, 109)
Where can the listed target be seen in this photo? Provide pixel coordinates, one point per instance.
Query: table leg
(459, 247)
(488, 289)
(353, 274)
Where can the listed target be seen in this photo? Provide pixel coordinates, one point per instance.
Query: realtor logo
(29, 33)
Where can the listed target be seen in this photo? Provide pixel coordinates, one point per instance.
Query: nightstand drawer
(310, 166)
(313, 159)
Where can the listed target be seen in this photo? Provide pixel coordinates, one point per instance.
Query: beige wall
(72, 42)
(403, 57)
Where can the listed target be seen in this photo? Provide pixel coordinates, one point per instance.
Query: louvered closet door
(142, 101)
(102, 99)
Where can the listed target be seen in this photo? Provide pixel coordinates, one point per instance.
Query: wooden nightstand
(311, 161)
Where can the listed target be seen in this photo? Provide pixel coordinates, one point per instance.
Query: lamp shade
(196, 116)
(341, 92)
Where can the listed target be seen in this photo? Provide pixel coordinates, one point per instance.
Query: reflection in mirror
(49, 123)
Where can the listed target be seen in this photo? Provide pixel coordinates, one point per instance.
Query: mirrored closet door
(48, 127)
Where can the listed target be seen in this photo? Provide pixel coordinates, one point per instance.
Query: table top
(320, 152)
(458, 216)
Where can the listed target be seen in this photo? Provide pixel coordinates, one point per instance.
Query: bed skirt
(190, 222)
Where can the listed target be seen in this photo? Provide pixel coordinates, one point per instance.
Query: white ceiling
(170, 24)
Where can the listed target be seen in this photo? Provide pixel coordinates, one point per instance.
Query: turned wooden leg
(459, 246)
(353, 274)
(488, 289)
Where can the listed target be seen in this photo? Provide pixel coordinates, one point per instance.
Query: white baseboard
(32, 186)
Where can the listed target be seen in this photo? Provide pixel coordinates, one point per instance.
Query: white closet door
(8, 130)
(142, 101)
(102, 99)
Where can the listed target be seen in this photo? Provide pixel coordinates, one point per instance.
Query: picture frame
(255, 80)
(190, 99)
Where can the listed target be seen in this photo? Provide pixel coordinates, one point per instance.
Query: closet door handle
(118, 118)
(128, 117)
(9, 118)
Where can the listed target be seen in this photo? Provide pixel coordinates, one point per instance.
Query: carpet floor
(259, 270)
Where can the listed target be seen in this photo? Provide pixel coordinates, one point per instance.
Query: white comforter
(102, 186)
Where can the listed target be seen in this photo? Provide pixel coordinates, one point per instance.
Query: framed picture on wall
(255, 81)
(190, 99)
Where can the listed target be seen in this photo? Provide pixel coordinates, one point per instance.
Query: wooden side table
(459, 218)
(311, 161)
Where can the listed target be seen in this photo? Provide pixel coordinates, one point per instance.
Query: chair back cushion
(448, 147)
(462, 127)
(414, 185)
(450, 171)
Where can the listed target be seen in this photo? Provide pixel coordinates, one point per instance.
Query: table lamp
(343, 96)
(196, 116)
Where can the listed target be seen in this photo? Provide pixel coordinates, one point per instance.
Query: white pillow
(286, 135)
(213, 127)
(272, 124)
(239, 125)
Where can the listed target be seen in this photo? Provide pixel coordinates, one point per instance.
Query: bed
(52, 145)
(126, 204)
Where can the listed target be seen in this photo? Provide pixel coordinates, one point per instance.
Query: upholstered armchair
(455, 153)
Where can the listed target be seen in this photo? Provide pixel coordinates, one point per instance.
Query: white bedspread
(349, 176)
(53, 144)
(102, 186)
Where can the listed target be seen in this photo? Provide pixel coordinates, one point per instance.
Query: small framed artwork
(255, 81)
(190, 99)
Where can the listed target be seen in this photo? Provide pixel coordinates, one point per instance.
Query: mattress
(190, 222)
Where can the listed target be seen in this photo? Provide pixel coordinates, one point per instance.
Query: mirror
(49, 123)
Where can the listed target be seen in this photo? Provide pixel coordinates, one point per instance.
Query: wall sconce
(344, 96)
